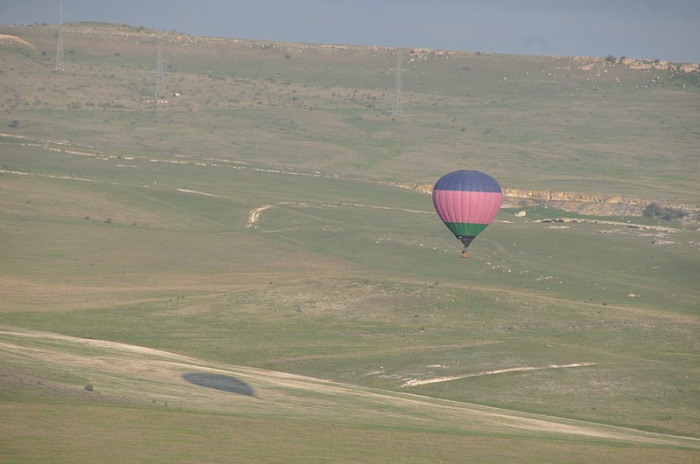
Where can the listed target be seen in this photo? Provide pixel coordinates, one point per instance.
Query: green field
(250, 226)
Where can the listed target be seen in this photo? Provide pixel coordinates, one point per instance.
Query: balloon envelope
(467, 202)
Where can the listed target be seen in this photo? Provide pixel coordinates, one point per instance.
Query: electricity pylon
(158, 73)
(60, 61)
(396, 112)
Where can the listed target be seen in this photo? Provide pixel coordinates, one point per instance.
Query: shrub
(653, 209)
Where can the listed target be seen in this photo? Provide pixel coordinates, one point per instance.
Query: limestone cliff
(583, 203)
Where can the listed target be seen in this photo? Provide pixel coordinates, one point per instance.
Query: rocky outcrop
(582, 203)
(659, 65)
(595, 205)
(593, 63)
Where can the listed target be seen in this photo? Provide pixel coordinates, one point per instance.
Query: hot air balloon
(467, 202)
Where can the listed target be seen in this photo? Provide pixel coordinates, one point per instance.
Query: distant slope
(587, 125)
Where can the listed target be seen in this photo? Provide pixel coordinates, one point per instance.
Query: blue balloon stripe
(468, 181)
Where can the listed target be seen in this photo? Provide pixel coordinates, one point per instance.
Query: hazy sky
(648, 29)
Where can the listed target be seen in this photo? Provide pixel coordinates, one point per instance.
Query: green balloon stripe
(460, 228)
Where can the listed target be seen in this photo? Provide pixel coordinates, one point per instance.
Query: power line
(60, 57)
(396, 112)
(159, 73)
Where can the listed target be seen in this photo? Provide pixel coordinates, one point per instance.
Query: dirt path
(254, 215)
(12, 40)
(416, 382)
(197, 192)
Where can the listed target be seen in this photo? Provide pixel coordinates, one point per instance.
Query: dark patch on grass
(219, 382)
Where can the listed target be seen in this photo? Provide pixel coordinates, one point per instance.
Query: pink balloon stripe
(467, 207)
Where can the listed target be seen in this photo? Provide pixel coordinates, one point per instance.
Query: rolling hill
(252, 268)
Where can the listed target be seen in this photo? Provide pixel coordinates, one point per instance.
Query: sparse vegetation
(579, 329)
(667, 213)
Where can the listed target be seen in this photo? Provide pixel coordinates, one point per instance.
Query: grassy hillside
(536, 122)
(94, 395)
(248, 226)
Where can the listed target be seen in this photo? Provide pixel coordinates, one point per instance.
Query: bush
(653, 209)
